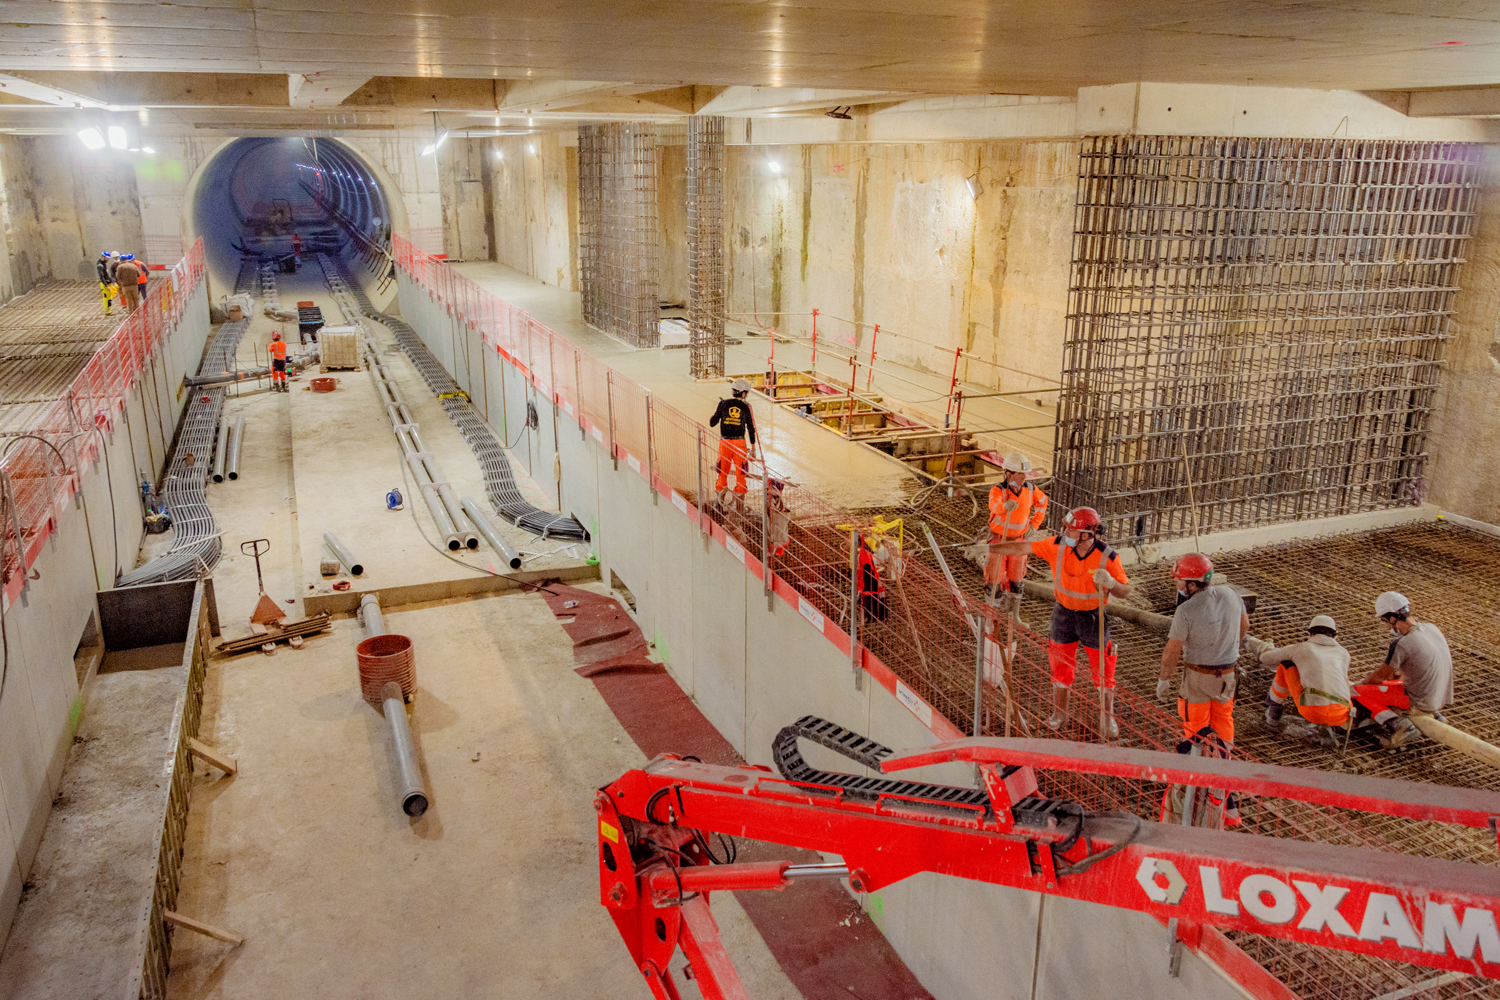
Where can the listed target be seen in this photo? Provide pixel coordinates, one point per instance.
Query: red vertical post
(957, 352)
(870, 374)
(815, 343)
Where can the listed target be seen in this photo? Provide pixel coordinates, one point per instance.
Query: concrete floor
(850, 476)
(493, 893)
(316, 462)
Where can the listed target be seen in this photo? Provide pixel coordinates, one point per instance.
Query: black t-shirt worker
(735, 422)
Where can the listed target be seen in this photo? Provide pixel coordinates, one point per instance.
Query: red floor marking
(821, 938)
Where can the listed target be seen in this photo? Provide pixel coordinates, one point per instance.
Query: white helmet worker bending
(1314, 674)
(1416, 677)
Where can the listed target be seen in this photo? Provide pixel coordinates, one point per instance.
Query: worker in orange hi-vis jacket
(1016, 508)
(1084, 568)
(278, 363)
(735, 422)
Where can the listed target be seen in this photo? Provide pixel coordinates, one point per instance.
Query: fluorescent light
(148, 149)
(442, 138)
(431, 148)
(117, 137)
(499, 154)
(92, 138)
(773, 166)
(531, 147)
(975, 188)
(135, 149)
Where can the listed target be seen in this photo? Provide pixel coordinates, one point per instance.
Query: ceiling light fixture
(92, 138)
(972, 183)
(148, 150)
(438, 137)
(841, 112)
(773, 166)
(117, 137)
(531, 147)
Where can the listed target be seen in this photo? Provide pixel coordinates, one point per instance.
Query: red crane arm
(656, 865)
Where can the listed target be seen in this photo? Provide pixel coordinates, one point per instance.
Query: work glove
(1164, 690)
(1010, 505)
(1102, 578)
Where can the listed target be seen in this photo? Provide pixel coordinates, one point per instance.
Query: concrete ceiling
(317, 63)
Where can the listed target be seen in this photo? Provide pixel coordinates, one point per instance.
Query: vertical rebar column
(705, 212)
(618, 268)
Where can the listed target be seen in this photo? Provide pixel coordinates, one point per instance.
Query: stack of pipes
(461, 523)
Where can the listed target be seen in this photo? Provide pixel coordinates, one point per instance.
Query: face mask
(1070, 540)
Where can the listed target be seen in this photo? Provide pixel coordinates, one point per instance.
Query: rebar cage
(705, 208)
(1255, 327)
(617, 241)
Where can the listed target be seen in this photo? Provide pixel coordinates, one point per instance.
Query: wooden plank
(198, 927)
(204, 752)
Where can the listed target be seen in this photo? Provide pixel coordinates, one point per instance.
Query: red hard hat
(1193, 566)
(275, 336)
(1082, 517)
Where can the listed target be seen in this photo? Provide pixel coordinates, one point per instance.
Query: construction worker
(1315, 675)
(1417, 675)
(278, 363)
(1207, 632)
(127, 276)
(872, 602)
(140, 263)
(1082, 566)
(106, 282)
(734, 420)
(1016, 507)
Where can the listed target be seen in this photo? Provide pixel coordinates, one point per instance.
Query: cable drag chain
(499, 479)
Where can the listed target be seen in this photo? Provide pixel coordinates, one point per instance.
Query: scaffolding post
(609, 392)
(855, 611)
(650, 448)
(870, 372)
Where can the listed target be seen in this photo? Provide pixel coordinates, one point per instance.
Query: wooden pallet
(341, 368)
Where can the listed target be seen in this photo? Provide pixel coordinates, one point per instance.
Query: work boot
(1397, 732)
(1014, 609)
(1112, 728)
(1273, 714)
(1328, 737)
(1059, 709)
(739, 502)
(720, 496)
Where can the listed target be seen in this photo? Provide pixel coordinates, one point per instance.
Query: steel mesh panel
(617, 229)
(705, 211)
(1255, 327)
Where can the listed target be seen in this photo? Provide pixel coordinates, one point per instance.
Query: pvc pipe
(466, 537)
(1459, 740)
(487, 529)
(369, 609)
(219, 451)
(413, 795)
(440, 517)
(234, 448)
(337, 547)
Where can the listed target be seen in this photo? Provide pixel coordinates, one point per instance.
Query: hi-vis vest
(1031, 506)
(278, 350)
(1073, 578)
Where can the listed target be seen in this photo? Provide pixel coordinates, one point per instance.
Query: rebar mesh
(705, 212)
(1255, 327)
(617, 229)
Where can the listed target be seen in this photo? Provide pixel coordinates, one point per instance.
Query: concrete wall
(40, 698)
(672, 223)
(463, 174)
(60, 204)
(752, 669)
(1465, 444)
(534, 205)
(889, 234)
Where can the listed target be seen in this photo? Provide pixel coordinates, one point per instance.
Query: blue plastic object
(393, 500)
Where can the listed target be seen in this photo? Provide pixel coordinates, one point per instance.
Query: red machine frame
(656, 866)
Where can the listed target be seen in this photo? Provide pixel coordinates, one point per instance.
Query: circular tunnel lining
(265, 196)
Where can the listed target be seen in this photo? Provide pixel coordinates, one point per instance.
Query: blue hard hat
(129, 256)
(104, 253)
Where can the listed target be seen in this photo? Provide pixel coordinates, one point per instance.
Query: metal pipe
(219, 451)
(369, 609)
(817, 871)
(238, 438)
(413, 794)
(482, 523)
(440, 517)
(338, 549)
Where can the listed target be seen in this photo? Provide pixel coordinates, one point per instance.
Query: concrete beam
(1281, 112)
(172, 90)
(528, 97)
(756, 101)
(322, 88)
(16, 86)
(426, 94)
(1476, 102)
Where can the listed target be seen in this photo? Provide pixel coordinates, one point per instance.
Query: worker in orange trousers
(736, 424)
(278, 363)
(1315, 675)
(1016, 508)
(1208, 631)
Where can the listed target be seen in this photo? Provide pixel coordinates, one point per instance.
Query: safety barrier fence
(923, 650)
(40, 472)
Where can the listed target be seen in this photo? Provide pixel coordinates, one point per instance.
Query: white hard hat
(740, 385)
(1390, 603)
(1015, 462)
(1322, 621)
